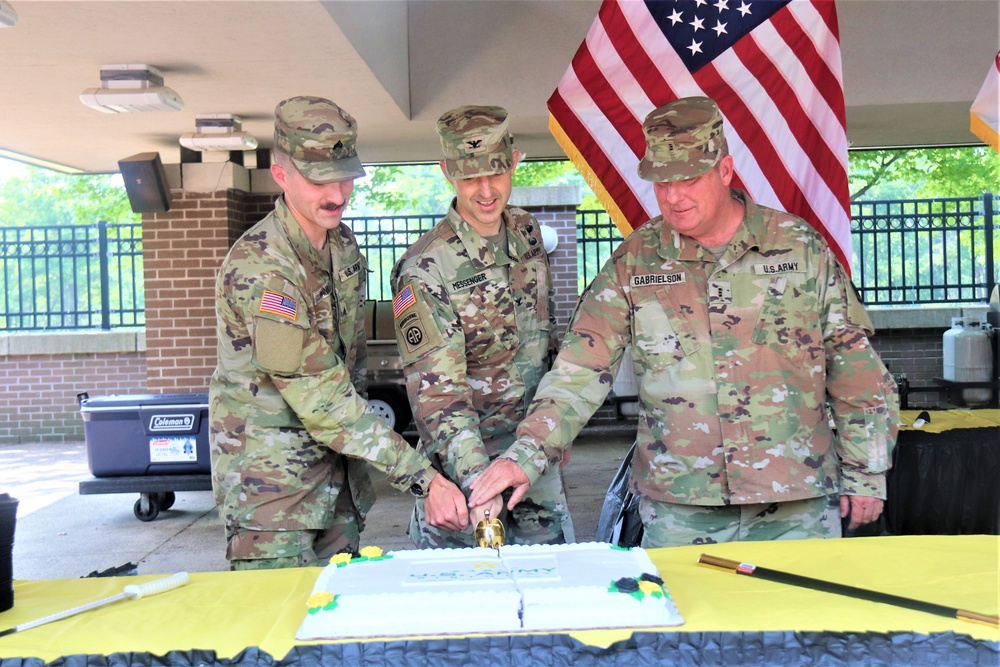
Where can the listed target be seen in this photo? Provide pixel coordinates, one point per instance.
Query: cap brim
(490, 164)
(669, 172)
(331, 171)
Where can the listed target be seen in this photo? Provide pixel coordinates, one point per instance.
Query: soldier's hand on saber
(492, 506)
(445, 505)
(499, 476)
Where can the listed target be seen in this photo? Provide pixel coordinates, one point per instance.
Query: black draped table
(945, 478)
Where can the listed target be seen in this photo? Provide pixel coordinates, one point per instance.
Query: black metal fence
(384, 240)
(90, 277)
(926, 250)
(917, 251)
(596, 238)
(71, 277)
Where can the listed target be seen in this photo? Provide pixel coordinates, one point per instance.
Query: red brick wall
(917, 354)
(38, 392)
(183, 250)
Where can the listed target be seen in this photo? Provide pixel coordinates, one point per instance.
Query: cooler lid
(142, 401)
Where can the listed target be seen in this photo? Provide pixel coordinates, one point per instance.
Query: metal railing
(596, 238)
(71, 277)
(90, 277)
(383, 240)
(917, 251)
(925, 250)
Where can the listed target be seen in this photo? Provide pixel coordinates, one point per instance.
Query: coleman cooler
(146, 434)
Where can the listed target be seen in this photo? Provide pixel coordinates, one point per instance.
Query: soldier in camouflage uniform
(290, 426)
(474, 324)
(746, 336)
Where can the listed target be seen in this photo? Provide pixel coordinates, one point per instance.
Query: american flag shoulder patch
(279, 304)
(403, 300)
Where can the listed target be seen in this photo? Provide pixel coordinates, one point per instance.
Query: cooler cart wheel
(391, 405)
(147, 507)
(166, 499)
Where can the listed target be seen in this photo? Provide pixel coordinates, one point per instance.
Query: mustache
(332, 207)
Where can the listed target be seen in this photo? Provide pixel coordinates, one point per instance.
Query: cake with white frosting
(472, 591)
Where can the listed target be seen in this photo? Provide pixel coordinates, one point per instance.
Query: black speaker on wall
(145, 183)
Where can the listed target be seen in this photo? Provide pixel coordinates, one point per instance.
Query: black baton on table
(737, 567)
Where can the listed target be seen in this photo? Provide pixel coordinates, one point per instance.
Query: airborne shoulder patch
(416, 330)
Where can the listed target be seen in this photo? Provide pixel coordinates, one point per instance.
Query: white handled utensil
(132, 591)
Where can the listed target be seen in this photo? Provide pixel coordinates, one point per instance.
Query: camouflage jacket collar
(480, 252)
(322, 260)
(751, 234)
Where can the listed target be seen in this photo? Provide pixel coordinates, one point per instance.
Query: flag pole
(736, 567)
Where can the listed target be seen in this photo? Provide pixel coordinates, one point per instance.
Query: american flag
(275, 302)
(403, 300)
(772, 66)
(984, 115)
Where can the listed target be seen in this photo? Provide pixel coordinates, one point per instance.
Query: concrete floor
(62, 534)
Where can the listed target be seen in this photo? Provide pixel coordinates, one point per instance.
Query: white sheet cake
(471, 591)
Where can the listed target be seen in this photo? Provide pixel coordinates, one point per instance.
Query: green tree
(923, 173)
(418, 189)
(422, 189)
(35, 196)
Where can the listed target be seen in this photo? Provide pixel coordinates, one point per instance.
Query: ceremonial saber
(737, 567)
(132, 592)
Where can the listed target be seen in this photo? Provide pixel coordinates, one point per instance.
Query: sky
(10, 168)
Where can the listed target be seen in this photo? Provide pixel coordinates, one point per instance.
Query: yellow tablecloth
(230, 611)
(945, 420)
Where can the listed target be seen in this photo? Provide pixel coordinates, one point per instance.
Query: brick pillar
(556, 207)
(182, 251)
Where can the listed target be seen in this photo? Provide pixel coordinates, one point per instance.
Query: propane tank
(948, 347)
(968, 357)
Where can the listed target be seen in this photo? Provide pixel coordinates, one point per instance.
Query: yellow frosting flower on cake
(340, 560)
(649, 588)
(371, 552)
(319, 600)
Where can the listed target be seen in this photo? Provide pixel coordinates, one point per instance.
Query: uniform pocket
(488, 320)
(788, 326)
(660, 337)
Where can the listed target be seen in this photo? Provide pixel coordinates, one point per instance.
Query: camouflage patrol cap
(684, 139)
(320, 138)
(475, 141)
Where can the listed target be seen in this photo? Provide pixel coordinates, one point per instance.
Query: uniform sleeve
(316, 385)
(861, 393)
(580, 379)
(432, 346)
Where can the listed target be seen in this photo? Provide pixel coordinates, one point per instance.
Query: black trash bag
(620, 523)
(126, 570)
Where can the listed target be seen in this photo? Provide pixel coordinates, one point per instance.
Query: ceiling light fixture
(218, 132)
(8, 17)
(131, 89)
